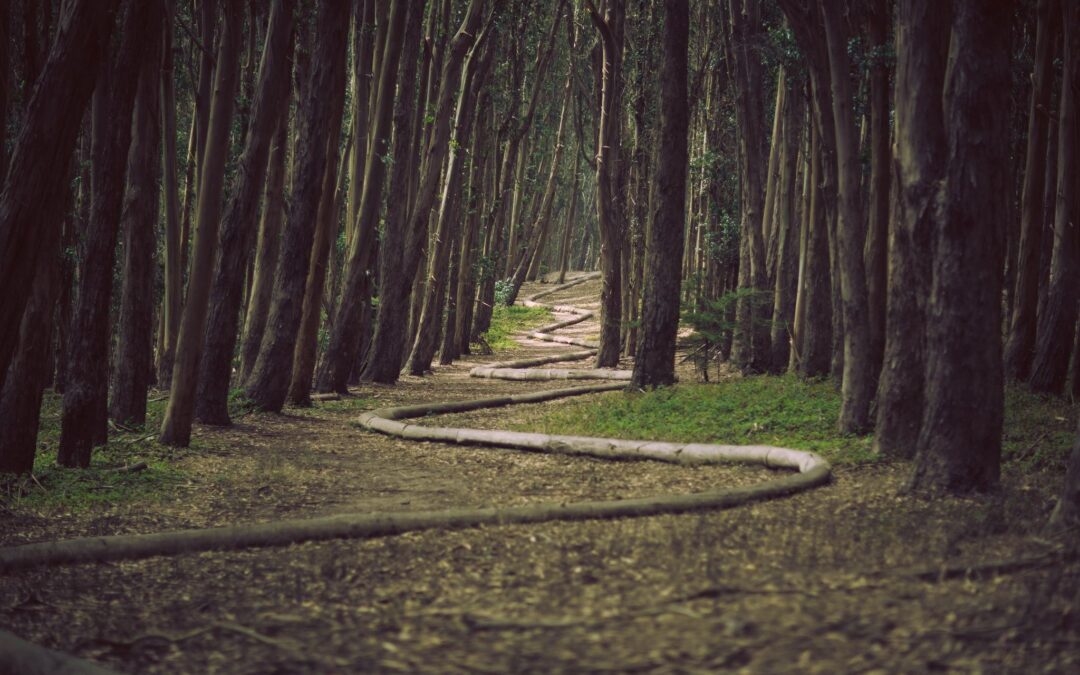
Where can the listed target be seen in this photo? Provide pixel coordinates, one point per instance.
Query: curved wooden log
(811, 470)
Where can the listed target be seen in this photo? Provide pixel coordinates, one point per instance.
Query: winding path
(810, 471)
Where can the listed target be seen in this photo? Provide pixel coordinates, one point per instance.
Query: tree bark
(787, 235)
(180, 413)
(427, 337)
(268, 383)
(860, 375)
(1057, 319)
(325, 231)
(341, 353)
(29, 209)
(85, 413)
(960, 440)
(172, 303)
(654, 364)
(875, 254)
(608, 214)
(238, 224)
(1021, 343)
(922, 48)
(134, 354)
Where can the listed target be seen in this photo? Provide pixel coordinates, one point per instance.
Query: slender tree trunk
(307, 340)
(134, 354)
(180, 413)
(654, 364)
(341, 354)
(471, 247)
(5, 84)
(609, 217)
(787, 236)
(817, 339)
(1021, 343)
(267, 249)
(172, 303)
(875, 254)
(960, 441)
(238, 224)
(363, 39)
(20, 398)
(922, 48)
(269, 381)
(860, 374)
(84, 423)
(427, 338)
(29, 209)
(1057, 318)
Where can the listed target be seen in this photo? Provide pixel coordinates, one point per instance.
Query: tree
(860, 375)
(1021, 343)
(654, 364)
(922, 47)
(180, 413)
(134, 353)
(238, 225)
(1057, 315)
(610, 216)
(85, 415)
(960, 441)
(29, 209)
(268, 383)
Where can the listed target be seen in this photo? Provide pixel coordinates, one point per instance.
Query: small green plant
(503, 288)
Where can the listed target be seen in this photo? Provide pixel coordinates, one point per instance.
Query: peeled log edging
(812, 471)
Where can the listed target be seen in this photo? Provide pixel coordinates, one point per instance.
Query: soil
(832, 580)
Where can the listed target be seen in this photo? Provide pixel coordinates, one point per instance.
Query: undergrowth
(788, 412)
(506, 321)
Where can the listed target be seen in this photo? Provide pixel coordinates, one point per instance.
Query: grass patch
(506, 321)
(51, 487)
(788, 412)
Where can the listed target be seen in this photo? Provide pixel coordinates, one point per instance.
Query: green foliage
(506, 321)
(503, 288)
(789, 412)
(781, 411)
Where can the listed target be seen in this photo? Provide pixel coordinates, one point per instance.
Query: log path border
(810, 471)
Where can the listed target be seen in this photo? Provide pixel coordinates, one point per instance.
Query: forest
(539, 335)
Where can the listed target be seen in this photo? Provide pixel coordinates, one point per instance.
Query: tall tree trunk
(1057, 318)
(172, 304)
(922, 40)
(875, 254)
(654, 364)
(180, 413)
(20, 398)
(1021, 343)
(266, 250)
(5, 84)
(29, 209)
(84, 423)
(341, 353)
(134, 353)
(307, 340)
(363, 39)
(471, 247)
(960, 441)
(608, 215)
(571, 221)
(238, 224)
(816, 343)
(268, 383)
(787, 235)
(860, 375)
(427, 338)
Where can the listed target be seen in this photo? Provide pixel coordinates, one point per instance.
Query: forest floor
(842, 578)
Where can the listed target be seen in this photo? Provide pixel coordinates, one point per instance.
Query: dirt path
(799, 585)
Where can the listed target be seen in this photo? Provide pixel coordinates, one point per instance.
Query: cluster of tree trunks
(363, 181)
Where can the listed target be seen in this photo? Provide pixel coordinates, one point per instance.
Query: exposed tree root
(811, 470)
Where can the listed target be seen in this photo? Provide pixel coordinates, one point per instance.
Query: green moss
(506, 321)
(788, 412)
